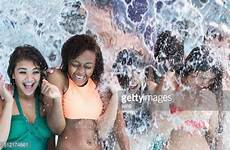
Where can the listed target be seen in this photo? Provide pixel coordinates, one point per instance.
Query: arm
(212, 136)
(112, 117)
(5, 112)
(119, 130)
(106, 121)
(53, 92)
(215, 133)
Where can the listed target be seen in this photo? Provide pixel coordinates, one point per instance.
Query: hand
(5, 90)
(50, 90)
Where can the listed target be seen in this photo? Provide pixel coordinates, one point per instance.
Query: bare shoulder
(58, 78)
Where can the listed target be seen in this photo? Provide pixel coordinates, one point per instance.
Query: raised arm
(119, 130)
(6, 108)
(52, 89)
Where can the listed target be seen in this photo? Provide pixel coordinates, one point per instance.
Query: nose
(81, 70)
(29, 77)
(133, 80)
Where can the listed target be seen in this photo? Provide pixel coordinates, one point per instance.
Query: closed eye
(36, 72)
(22, 72)
(75, 65)
(88, 67)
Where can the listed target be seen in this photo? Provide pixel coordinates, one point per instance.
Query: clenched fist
(5, 92)
(50, 90)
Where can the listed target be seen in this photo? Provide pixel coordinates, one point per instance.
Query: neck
(22, 96)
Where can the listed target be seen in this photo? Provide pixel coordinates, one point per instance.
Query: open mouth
(133, 86)
(80, 79)
(28, 86)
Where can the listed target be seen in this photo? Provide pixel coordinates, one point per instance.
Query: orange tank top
(82, 102)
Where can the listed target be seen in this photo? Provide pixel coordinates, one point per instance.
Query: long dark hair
(26, 52)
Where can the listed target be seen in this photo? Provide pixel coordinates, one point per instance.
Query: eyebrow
(75, 61)
(21, 68)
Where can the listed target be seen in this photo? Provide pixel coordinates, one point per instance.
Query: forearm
(106, 122)
(119, 130)
(5, 121)
(219, 131)
(56, 119)
(123, 140)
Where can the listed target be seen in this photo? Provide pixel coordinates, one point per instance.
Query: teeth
(80, 77)
(132, 86)
(28, 85)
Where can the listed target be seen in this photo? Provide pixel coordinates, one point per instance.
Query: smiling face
(81, 68)
(27, 77)
(135, 82)
(132, 81)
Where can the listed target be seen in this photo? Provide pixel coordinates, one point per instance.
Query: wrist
(57, 99)
(9, 102)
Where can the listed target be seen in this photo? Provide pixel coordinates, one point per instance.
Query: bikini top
(82, 102)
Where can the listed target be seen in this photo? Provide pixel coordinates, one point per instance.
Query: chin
(80, 83)
(29, 93)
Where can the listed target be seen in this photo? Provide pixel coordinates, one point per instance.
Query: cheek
(18, 78)
(37, 78)
(71, 70)
(89, 72)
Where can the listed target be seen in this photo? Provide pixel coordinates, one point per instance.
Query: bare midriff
(80, 134)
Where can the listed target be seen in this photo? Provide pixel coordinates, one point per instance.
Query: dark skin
(80, 133)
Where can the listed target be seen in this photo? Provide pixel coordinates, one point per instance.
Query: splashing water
(118, 24)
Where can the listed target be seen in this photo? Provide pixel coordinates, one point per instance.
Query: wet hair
(75, 46)
(26, 52)
(169, 48)
(125, 59)
(200, 59)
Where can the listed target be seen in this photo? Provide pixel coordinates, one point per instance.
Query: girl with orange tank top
(82, 114)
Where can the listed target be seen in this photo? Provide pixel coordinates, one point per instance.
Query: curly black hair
(169, 48)
(75, 46)
(26, 52)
